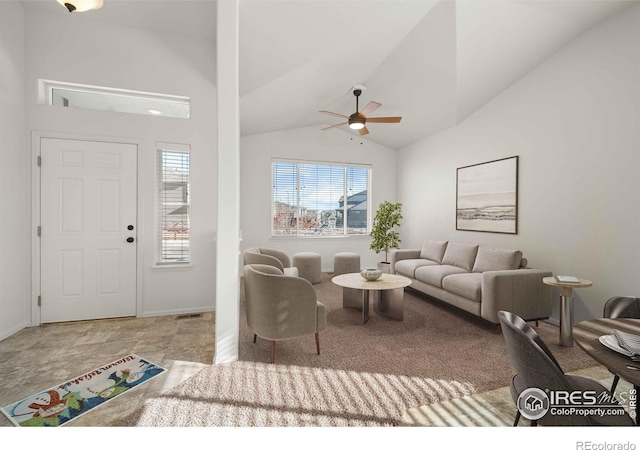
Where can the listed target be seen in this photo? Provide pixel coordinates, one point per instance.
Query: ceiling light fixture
(81, 5)
(356, 121)
(155, 112)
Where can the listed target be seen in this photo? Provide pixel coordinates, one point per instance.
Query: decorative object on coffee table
(383, 233)
(371, 274)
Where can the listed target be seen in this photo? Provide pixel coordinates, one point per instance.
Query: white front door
(88, 235)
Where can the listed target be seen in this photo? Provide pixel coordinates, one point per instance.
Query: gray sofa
(477, 279)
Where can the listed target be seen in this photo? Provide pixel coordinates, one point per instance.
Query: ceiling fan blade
(335, 126)
(334, 114)
(363, 131)
(371, 107)
(384, 119)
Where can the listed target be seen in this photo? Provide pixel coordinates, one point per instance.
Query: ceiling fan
(359, 119)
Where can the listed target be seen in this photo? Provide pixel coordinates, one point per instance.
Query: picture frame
(487, 196)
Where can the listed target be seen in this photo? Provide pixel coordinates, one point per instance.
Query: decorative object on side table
(371, 274)
(487, 196)
(384, 236)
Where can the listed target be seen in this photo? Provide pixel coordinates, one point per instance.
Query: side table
(566, 307)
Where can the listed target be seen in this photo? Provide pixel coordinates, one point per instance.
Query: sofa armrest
(519, 291)
(400, 254)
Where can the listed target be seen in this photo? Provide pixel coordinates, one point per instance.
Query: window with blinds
(173, 221)
(319, 199)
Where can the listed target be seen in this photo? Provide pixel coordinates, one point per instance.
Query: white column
(227, 242)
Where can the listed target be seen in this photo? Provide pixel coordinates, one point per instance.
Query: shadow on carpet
(366, 375)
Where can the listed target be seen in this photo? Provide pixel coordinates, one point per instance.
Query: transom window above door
(100, 98)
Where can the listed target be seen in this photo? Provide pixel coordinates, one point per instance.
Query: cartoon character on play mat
(101, 391)
(147, 370)
(48, 409)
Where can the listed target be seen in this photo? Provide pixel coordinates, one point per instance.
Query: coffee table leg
(352, 298)
(390, 303)
(566, 321)
(365, 306)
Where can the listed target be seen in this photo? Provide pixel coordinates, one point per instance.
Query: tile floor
(37, 358)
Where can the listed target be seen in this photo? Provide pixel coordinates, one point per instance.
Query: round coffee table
(388, 291)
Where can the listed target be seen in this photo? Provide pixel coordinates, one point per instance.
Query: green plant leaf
(384, 236)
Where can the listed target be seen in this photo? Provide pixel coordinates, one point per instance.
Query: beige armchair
(270, 256)
(281, 307)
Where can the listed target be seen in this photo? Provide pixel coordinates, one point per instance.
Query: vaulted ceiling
(432, 62)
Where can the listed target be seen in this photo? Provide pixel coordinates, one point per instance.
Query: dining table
(587, 335)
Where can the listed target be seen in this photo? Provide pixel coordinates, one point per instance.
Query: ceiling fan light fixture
(81, 5)
(356, 122)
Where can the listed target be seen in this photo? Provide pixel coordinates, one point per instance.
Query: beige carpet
(366, 375)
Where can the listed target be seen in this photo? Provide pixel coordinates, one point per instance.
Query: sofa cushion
(496, 259)
(407, 267)
(433, 275)
(460, 255)
(467, 285)
(433, 250)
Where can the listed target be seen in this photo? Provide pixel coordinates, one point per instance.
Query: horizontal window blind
(309, 199)
(173, 221)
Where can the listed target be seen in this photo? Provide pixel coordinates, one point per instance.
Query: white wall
(14, 222)
(66, 47)
(312, 144)
(574, 122)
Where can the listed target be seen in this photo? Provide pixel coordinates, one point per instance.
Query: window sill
(306, 238)
(185, 266)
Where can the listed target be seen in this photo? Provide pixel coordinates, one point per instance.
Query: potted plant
(383, 233)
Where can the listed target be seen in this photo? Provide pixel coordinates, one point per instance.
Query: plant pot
(384, 267)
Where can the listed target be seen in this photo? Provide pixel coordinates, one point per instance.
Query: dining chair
(280, 307)
(620, 307)
(536, 367)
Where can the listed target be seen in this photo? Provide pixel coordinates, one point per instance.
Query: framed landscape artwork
(487, 196)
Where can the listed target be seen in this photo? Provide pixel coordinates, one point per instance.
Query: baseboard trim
(14, 330)
(176, 312)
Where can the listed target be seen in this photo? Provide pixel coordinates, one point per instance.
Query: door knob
(130, 227)
(130, 239)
